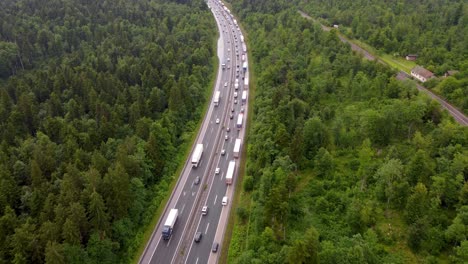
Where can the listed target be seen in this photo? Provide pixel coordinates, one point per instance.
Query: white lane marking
(193, 193)
(182, 211)
(227, 156)
(216, 197)
(169, 242)
(196, 261)
(206, 230)
(222, 176)
(184, 193)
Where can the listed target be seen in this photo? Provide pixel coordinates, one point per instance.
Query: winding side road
(459, 117)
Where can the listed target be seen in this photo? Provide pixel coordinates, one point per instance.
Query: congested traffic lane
(212, 225)
(187, 194)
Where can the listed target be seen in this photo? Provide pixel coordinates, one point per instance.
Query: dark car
(198, 237)
(214, 248)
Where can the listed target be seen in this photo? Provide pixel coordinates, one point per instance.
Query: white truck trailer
(230, 172)
(169, 224)
(244, 96)
(240, 119)
(216, 98)
(197, 154)
(237, 147)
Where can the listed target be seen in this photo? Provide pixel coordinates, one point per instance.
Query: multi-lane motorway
(218, 133)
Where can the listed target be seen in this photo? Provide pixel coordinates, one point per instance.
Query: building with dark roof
(411, 57)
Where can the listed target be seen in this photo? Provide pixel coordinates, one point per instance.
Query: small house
(450, 73)
(421, 74)
(411, 57)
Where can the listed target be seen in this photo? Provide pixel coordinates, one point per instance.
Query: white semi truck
(197, 154)
(237, 147)
(230, 172)
(240, 119)
(169, 224)
(216, 98)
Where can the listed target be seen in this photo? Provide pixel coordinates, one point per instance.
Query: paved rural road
(460, 117)
(189, 197)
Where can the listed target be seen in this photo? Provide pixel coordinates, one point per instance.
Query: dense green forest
(94, 120)
(435, 30)
(345, 164)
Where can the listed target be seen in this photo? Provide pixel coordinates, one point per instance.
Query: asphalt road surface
(188, 197)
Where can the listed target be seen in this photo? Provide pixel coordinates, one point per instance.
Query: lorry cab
(169, 224)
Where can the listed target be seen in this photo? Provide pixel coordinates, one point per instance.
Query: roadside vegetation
(99, 100)
(345, 163)
(436, 31)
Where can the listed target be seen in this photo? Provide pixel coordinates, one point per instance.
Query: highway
(189, 197)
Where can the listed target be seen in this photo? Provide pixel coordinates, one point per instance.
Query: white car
(226, 137)
(223, 152)
(204, 210)
(217, 120)
(235, 94)
(224, 201)
(217, 171)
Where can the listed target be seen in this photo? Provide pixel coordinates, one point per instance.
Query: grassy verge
(185, 149)
(399, 63)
